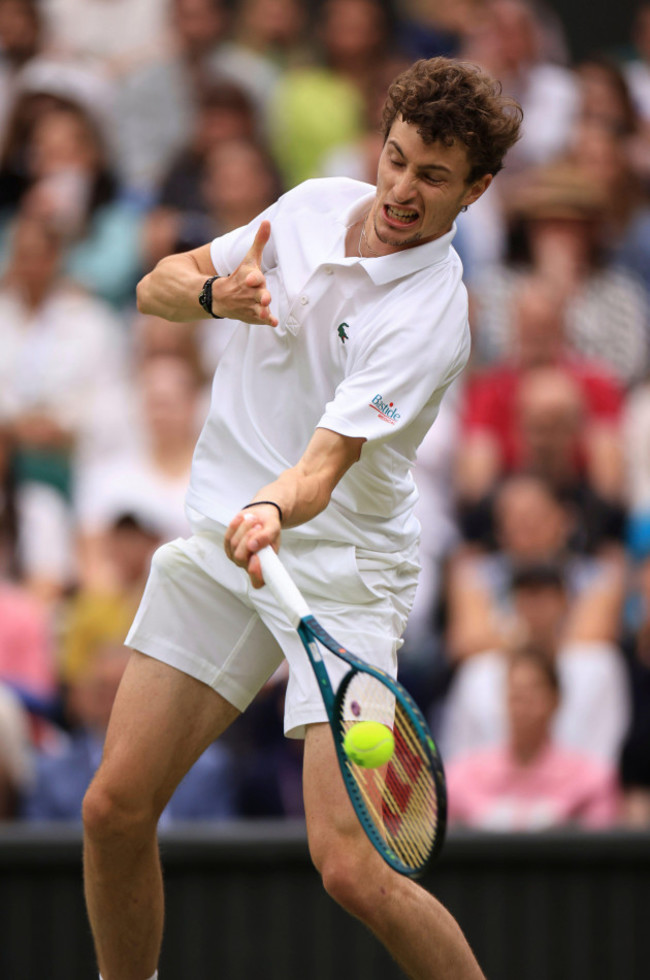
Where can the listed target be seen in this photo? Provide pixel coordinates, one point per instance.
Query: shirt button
(329, 270)
(304, 300)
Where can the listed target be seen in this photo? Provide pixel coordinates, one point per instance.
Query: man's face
(421, 187)
(531, 702)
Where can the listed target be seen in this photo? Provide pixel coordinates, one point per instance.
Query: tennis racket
(402, 805)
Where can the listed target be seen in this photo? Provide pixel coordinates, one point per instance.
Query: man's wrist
(260, 503)
(205, 297)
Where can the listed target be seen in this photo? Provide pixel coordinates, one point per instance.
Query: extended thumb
(261, 238)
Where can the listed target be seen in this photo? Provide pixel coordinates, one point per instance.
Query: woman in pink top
(529, 783)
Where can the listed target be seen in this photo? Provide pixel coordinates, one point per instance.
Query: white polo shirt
(365, 347)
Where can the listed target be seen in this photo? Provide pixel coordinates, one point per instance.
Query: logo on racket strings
(400, 787)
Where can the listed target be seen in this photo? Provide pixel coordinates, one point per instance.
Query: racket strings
(401, 797)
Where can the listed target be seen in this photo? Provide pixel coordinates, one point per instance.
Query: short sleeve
(392, 378)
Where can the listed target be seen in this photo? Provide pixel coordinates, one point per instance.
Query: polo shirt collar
(387, 268)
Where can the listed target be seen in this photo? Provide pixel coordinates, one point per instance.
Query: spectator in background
(269, 766)
(224, 113)
(148, 478)
(21, 38)
(57, 409)
(156, 101)
(240, 181)
(532, 524)
(635, 760)
(43, 314)
(611, 162)
(605, 97)
(63, 772)
(528, 782)
(512, 43)
(122, 32)
(100, 614)
(595, 710)
(29, 693)
(422, 662)
(552, 431)
(152, 337)
(637, 69)
(635, 755)
(636, 450)
(27, 660)
(35, 531)
(237, 182)
(41, 85)
(26, 630)
(268, 37)
(15, 753)
(429, 28)
(70, 185)
(557, 215)
(9, 558)
(198, 344)
(320, 107)
(546, 410)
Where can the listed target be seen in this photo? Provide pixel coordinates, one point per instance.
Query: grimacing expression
(421, 187)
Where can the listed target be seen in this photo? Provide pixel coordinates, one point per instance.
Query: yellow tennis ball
(369, 744)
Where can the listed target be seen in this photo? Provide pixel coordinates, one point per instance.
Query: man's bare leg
(414, 927)
(162, 721)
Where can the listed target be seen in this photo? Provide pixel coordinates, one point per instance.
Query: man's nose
(403, 189)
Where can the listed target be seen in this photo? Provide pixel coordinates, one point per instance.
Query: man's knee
(352, 876)
(111, 812)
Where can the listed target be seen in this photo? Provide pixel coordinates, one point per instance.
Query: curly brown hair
(452, 101)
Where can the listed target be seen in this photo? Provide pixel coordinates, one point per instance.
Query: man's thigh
(162, 721)
(329, 813)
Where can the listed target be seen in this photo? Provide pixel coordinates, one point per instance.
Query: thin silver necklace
(362, 238)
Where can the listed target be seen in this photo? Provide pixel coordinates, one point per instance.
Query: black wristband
(205, 297)
(271, 503)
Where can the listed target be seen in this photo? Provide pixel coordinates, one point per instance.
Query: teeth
(402, 215)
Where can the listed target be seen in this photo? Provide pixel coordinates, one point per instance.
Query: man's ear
(478, 188)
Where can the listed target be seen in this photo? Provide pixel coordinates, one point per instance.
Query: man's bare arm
(301, 492)
(171, 290)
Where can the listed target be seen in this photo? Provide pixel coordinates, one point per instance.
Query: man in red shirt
(544, 410)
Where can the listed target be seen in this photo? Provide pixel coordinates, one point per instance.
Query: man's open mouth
(400, 216)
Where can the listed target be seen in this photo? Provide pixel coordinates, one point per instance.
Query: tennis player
(351, 324)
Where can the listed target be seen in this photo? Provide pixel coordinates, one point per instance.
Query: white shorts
(200, 614)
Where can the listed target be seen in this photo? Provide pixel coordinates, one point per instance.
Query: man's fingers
(261, 238)
(265, 316)
(254, 279)
(255, 572)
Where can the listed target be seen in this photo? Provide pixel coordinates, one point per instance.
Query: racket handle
(285, 591)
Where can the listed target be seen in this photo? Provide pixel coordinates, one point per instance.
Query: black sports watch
(205, 297)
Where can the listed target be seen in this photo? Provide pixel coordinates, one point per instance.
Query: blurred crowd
(135, 128)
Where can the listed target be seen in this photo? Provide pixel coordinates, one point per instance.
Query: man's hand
(243, 294)
(248, 532)
(172, 289)
(302, 491)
